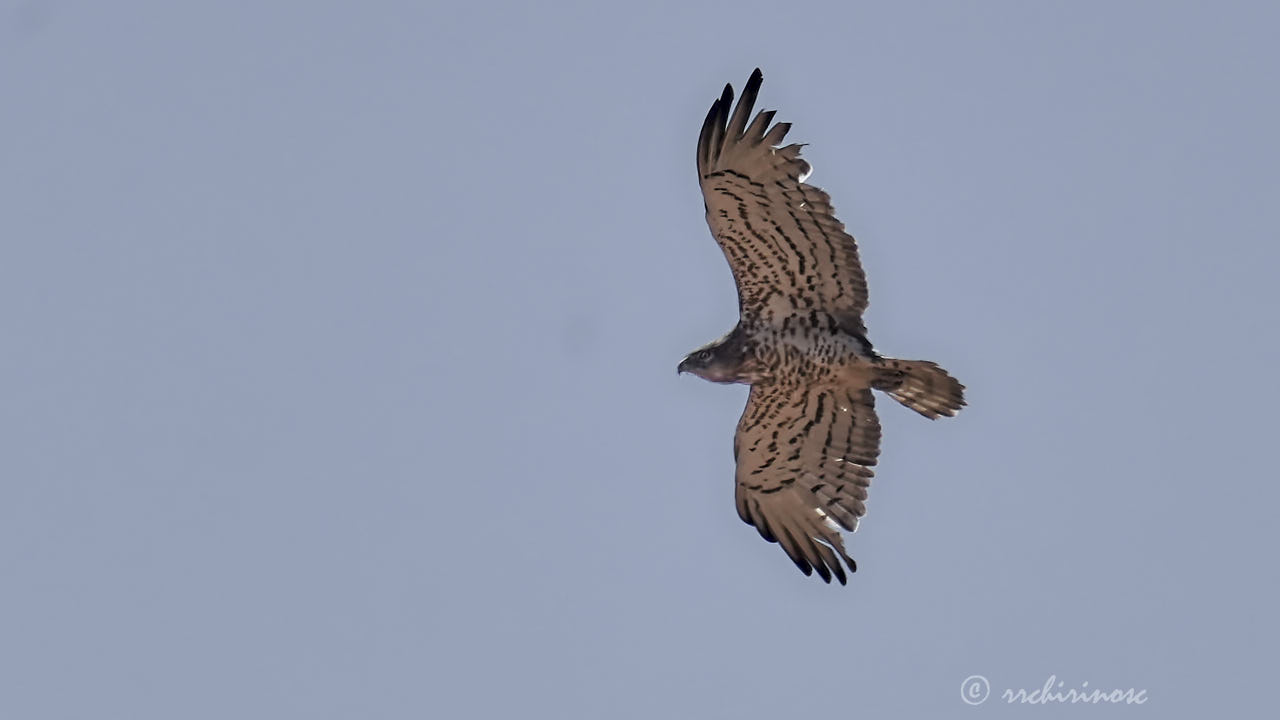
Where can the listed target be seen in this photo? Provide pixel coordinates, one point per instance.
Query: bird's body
(809, 434)
(801, 347)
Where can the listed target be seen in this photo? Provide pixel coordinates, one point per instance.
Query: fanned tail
(922, 386)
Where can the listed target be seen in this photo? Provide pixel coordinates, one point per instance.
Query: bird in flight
(809, 435)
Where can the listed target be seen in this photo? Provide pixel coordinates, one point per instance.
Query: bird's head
(721, 362)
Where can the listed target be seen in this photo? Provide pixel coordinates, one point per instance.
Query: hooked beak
(680, 369)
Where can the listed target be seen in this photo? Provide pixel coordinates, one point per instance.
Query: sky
(338, 372)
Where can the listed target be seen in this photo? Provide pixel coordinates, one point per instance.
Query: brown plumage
(809, 435)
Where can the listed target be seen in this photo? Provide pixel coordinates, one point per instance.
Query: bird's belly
(813, 358)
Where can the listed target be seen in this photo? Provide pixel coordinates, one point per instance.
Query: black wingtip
(720, 125)
(853, 566)
(746, 103)
(839, 574)
(752, 88)
(838, 571)
(712, 135)
(802, 564)
(823, 572)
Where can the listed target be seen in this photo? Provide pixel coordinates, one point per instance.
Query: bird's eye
(704, 355)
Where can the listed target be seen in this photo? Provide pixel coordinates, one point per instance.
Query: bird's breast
(805, 354)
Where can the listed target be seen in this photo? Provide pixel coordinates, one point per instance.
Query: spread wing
(788, 252)
(804, 459)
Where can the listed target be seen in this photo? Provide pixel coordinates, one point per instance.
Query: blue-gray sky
(338, 375)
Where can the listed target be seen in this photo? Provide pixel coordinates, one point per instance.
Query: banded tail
(920, 385)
